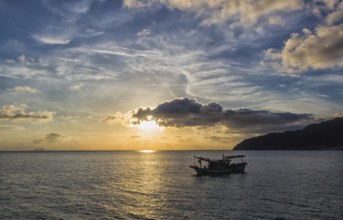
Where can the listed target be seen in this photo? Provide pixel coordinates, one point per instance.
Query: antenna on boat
(223, 154)
(194, 158)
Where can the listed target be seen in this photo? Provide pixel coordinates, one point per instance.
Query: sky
(165, 74)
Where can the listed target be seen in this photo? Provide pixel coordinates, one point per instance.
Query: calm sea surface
(160, 185)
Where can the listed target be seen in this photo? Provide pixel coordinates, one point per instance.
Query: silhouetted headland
(327, 135)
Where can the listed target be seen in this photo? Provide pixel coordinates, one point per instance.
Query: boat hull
(238, 168)
(204, 171)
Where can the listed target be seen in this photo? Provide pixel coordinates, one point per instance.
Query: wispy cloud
(145, 32)
(76, 86)
(24, 67)
(214, 12)
(23, 89)
(46, 39)
(69, 10)
(11, 128)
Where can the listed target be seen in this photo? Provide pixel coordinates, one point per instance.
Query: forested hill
(325, 135)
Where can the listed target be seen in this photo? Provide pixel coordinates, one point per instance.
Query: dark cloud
(263, 117)
(188, 112)
(54, 137)
(24, 115)
(219, 138)
(174, 109)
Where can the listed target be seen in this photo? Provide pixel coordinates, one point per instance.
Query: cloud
(336, 15)
(69, 10)
(12, 112)
(223, 139)
(54, 137)
(24, 89)
(276, 20)
(11, 128)
(120, 118)
(110, 52)
(53, 39)
(76, 87)
(24, 67)
(144, 33)
(22, 58)
(319, 50)
(188, 113)
(218, 11)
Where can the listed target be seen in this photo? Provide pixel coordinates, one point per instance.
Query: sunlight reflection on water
(147, 151)
(144, 189)
(160, 185)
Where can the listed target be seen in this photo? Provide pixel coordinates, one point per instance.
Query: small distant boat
(219, 167)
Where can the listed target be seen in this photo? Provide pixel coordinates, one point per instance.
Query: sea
(161, 185)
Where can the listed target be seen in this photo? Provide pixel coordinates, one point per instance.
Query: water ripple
(159, 185)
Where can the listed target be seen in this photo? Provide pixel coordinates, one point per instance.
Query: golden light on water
(147, 151)
(146, 191)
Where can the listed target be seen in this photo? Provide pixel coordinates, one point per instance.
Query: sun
(149, 126)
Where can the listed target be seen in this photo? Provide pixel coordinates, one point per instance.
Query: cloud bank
(12, 112)
(186, 112)
(321, 48)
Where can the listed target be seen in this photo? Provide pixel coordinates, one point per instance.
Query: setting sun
(149, 126)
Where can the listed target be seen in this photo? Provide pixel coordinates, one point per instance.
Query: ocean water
(160, 185)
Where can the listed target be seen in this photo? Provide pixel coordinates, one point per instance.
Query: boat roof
(212, 161)
(204, 159)
(234, 156)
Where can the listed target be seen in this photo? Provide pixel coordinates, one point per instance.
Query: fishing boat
(219, 167)
(237, 167)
